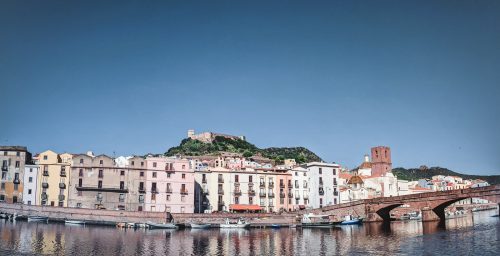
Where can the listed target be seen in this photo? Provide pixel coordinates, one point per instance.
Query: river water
(475, 234)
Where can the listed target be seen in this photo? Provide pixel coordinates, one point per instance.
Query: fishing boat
(152, 225)
(240, 224)
(311, 220)
(74, 222)
(200, 225)
(350, 220)
(38, 219)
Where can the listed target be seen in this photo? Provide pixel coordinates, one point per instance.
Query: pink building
(169, 185)
(284, 190)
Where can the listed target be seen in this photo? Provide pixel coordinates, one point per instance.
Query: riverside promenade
(112, 217)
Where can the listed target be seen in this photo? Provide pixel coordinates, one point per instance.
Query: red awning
(244, 207)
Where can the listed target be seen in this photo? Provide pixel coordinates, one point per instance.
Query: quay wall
(110, 217)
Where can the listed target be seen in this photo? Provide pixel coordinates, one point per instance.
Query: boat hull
(74, 222)
(200, 226)
(161, 226)
(234, 225)
(351, 222)
(38, 219)
(318, 225)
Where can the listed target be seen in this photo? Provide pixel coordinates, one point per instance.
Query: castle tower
(190, 133)
(381, 160)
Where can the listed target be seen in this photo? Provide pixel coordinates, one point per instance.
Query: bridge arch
(385, 212)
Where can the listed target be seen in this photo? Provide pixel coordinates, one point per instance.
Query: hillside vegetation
(427, 173)
(189, 147)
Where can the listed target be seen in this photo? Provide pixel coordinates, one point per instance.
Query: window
(296, 173)
(250, 178)
(31, 169)
(236, 200)
(4, 175)
(153, 187)
(153, 196)
(154, 164)
(183, 176)
(236, 178)
(139, 208)
(61, 203)
(99, 184)
(78, 205)
(30, 179)
(101, 173)
(334, 171)
(122, 185)
(141, 198)
(29, 202)
(19, 153)
(250, 200)
(16, 187)
(100, 161)
(154, 174)
(132, 163)
(168, 197)
(141, 185)
(168, 175)
(320, 170)
(122, 173)
(183, 198)
(183, 166)
(141, 174)
(45, 158)
(80, 173)
(17, 164)
(121, 198)
(142, 163)
(29, 191)
(80, 182)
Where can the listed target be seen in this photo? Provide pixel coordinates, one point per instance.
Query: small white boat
(311, 220)
(152, 225)
(240, 224)
(130, 225)
(74, 222)
(350, 220)
(141, 225)
(200, 225)
(38, 219)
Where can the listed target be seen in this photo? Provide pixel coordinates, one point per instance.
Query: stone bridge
(431, 204)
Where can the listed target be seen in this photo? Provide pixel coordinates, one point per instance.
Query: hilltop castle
(208, 137)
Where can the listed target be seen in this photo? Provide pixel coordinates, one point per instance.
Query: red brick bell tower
(381, 160)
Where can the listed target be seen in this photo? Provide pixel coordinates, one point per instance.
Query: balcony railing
(251, 192)
(61, 197)
(297, 196)
(221, 203)
(100, 175)
(220, 191)
(262, 194)
(103, 189)
(5, 168)
(270, 195)
(142, 190)
(63, 174)
(62, 185)
(262, 185)
(45, 173)
(237, 192)
(45, 185)
(282, 195)
(17, 181)
(271, 184)
(154, 190)
(169, 190)
(335, 193)
(282, 185)
(221, 180)
(250, 184)
(321, 191)
(290, 195)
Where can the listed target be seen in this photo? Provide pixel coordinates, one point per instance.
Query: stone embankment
(110, 217)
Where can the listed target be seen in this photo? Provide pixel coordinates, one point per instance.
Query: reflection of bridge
(431, 204)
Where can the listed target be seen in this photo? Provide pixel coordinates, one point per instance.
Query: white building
(300, 181)
(30, 184)
(323, 182)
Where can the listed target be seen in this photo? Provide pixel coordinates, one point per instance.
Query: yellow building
(54, 178)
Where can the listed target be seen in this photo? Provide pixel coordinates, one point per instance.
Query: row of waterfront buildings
(200, 184)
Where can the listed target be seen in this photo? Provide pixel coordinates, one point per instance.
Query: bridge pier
(373, 217)
(429, 215)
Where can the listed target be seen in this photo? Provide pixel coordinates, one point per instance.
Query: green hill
(189, 147)
(427, 173)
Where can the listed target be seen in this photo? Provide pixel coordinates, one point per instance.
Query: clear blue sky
(337, 77)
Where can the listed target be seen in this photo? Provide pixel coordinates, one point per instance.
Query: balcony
(270, 194)
(45, 173)
(142, 190)
(5, 168)
(221, 203)
(237, 192)
(282, 185)
(290, 195)
(250, 184)
(221, 180)
(103, 189)
(220, 191)
(45, 185)
(44, 196)
(262, 194)
(17, 181)
(63, 174)
(262, 185)
(184, 191)
(251, 192)
(282, 195)
(100, 175)
(154, 190)
(62, 197)
(62, 185)
(321, 192)
(169, 190)
(271, 184)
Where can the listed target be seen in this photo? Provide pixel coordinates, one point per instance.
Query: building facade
(169, 185)
(323, 181)
(300, 180)
(30, 192)
(12, 160)
(53, 178)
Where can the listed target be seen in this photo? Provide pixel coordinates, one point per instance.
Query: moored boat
(152, 225)
(350, 220)
(200, 225)
(3, 216)
(240, 224)
(275, 226)
(311, 220)
(38, 219)
(74, 222)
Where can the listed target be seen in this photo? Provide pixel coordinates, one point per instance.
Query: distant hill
(190, 147)
(427, 173)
